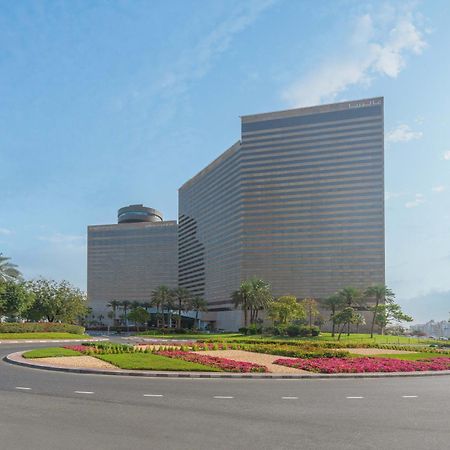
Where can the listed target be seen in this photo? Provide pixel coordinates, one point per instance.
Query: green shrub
(40, 327)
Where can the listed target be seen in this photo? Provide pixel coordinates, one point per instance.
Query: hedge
(40, 327)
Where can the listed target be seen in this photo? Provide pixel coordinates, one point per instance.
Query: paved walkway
(257, 358)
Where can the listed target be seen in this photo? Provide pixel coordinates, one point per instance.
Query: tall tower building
(127, 260)
(298, 201)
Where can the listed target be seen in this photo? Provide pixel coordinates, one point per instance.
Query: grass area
(411, 356)
(50, 352)
(148, 361)
(192, 336)
(40, 336)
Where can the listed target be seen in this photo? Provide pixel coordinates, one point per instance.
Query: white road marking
(409, 396)
(21, 388)
(222, 396)
(289, 398)
(354, 397)
(83, 392)
(153, 395)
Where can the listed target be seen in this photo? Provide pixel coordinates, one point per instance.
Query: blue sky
(103, 104)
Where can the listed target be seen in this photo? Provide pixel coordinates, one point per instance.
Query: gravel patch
(375, 351)
(257, 358)
(78, 362)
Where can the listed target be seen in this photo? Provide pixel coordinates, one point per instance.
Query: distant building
(298, 201)
(126, 261)
(432, 328)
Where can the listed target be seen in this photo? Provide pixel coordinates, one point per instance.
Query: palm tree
(8, 271)
(260, 298)
(181, 297)
(381, 293)
(350, 296)
(160, 297)
(242, 298)
(114, 304)
(333, 303)
(198, 304)
(125, 305)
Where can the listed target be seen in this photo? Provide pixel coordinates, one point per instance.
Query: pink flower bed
(361, 365)
(225, 364)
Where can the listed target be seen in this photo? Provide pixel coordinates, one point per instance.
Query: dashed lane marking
(354, 397)
(289, 398)
(222, 396)
(21, 388)
(409, 396)
(83, 392)
(153, 395)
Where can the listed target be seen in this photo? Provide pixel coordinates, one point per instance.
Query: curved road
(50, 410)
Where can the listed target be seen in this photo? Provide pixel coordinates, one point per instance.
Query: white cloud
(378, 46)
(65, 240)
(438, 189)
(447, 155)
(5, 231)
(403, 133)
(418, 200)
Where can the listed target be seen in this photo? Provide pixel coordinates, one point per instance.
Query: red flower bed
(361, 365)
(225, 364)
(80, 348)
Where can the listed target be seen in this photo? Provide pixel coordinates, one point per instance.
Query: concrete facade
(298, 201)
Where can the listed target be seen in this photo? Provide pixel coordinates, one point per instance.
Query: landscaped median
(257, 359)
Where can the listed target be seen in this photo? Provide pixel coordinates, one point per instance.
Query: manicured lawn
(191, 336)
(411, 356)
(50, 352)
(148, 361)
(29, 336)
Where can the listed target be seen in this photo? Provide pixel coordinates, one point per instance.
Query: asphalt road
(50, 410)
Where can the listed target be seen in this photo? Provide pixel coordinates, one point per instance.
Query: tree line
(254, 297)
(169, 304)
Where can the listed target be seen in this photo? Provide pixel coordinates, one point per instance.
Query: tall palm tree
(333, 303)
(125, 306)
(351, 296)
(160, 298)
(181, 297)
(198, 304)
(8, 271)
(260, 298)
(380, 293)
(114, 304)
(242, 298)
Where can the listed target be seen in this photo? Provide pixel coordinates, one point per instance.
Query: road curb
(17, 359)
(49, 341)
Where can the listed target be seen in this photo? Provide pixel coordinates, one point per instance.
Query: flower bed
(227, 365)
(80, 348)
(362, 365)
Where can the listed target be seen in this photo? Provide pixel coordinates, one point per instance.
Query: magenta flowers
(361, 365)
(225, 364)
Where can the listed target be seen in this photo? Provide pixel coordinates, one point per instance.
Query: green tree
(285, 309)
(181, 297)
(8, 271)
(380, 293)
(344, 318)
(198, 304)
(56, 302)
(15, 299)
(242, 298)
(126, 305)
(390, 312)
(114, 305)
(310, 307)
(139, 316)
(333, 303)
(160, 298)
(351, 297)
